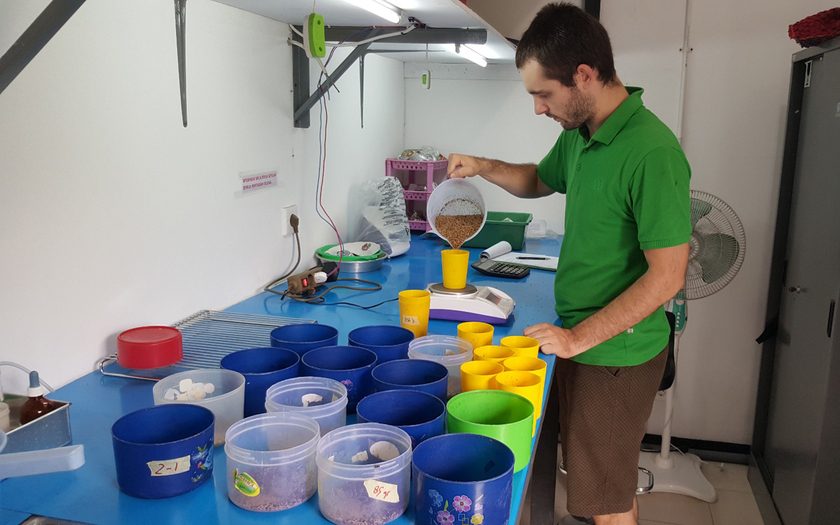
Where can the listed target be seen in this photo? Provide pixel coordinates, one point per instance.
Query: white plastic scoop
(39, 461)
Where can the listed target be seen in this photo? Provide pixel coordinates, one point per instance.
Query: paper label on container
(169, 467)
(411, 320)
(379, 490)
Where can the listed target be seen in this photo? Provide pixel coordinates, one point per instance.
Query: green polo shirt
(626, 191)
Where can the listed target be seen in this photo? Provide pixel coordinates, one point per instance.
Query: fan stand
(680, 473)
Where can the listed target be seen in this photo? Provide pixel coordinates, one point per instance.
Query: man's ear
(585, 75)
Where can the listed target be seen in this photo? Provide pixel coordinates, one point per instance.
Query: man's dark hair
(563, 36)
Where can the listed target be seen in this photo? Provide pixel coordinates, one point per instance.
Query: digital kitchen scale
(471, 303)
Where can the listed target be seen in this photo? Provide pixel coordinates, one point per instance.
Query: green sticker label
(245, 484)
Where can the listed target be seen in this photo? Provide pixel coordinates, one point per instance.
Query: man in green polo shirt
(624, 251)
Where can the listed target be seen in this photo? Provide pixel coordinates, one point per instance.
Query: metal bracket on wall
(300, 62)
(36, 36)
(180, 37)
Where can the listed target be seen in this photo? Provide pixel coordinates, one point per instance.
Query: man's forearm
(625, 311)
(520, 180)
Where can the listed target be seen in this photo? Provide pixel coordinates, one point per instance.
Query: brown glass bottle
(37, 405)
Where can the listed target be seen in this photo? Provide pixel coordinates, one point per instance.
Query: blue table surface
(91, 494)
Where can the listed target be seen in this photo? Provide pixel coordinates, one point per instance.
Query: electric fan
(716, 253)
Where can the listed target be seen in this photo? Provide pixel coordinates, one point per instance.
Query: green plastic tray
(497, 229)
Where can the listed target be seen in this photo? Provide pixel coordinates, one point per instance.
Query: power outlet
(287, 212)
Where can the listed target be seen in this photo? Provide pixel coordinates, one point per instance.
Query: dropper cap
(35, 389)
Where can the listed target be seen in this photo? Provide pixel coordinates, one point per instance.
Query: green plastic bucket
(501, 415)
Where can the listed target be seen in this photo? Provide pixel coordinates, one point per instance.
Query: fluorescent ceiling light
(470, 55)
(379, 8)
(483, 50)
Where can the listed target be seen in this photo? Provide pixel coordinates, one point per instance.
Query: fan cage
(718, 245)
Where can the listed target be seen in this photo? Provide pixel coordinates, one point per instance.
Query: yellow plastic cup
(414, 311)
(455, 266)
(479, 375)
(526, 384)
(479, 334)
(492, 353)
(522, 346)
(535, 365)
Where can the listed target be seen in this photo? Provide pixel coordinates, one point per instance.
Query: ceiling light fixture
(470, 55)
(379, 8)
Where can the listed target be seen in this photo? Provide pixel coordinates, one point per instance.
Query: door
(804, 343)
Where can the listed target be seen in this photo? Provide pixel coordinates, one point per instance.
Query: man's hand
(463, 166)
(555, 340)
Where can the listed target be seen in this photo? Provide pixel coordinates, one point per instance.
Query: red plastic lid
(149, 347)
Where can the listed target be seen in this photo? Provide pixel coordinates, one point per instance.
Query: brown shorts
(603, 413)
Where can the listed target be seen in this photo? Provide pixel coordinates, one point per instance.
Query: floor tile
(648, 522)
(735, 508)
(675, 509)
(727, 476)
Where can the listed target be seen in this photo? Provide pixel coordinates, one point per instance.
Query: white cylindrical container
(226, 398)
(271, 461)
(321, 398)
(364, 474)
(447, 350)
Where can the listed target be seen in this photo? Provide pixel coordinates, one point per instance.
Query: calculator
(501, 269)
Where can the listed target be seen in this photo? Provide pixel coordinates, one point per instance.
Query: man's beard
(580, 109)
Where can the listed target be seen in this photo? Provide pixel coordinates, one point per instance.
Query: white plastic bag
(383, 218)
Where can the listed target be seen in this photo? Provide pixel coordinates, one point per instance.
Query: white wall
(733, 130)
(112, 215)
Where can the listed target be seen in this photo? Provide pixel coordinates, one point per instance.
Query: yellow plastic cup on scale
(414, 311)
(527, 385)
(479, 334)
(492, 353)
(455, 265)
(480, 375)
(521, 345)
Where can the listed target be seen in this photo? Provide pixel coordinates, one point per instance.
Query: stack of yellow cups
(522, 346)
(497, 354)
(526, 384)
(479, 375)
(479, 334)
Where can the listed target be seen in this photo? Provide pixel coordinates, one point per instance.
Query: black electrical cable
(376, 286)
(294, 222)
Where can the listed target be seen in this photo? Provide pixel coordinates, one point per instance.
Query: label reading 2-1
(169, 467)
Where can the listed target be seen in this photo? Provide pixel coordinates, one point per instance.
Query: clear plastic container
(271, 461)
(227, 401)
(321, 398)
(364, 474)
(455, 197)
(447, 350)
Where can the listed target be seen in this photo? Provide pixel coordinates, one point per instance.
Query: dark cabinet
(796, 444)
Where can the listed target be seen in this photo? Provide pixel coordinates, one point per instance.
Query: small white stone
(209, 388)
(384, 450)
(361, 456)
(171, 394)
(449, 352)
(182, 397)
(185, 385)
(309, 399)
(196, 394)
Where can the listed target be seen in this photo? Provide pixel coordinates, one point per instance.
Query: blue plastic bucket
(459, 477)
(262, 367)
(411, 374)
(303, 337)
(163, 451)
(420, 414)
(387, 342)
(349, 365)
